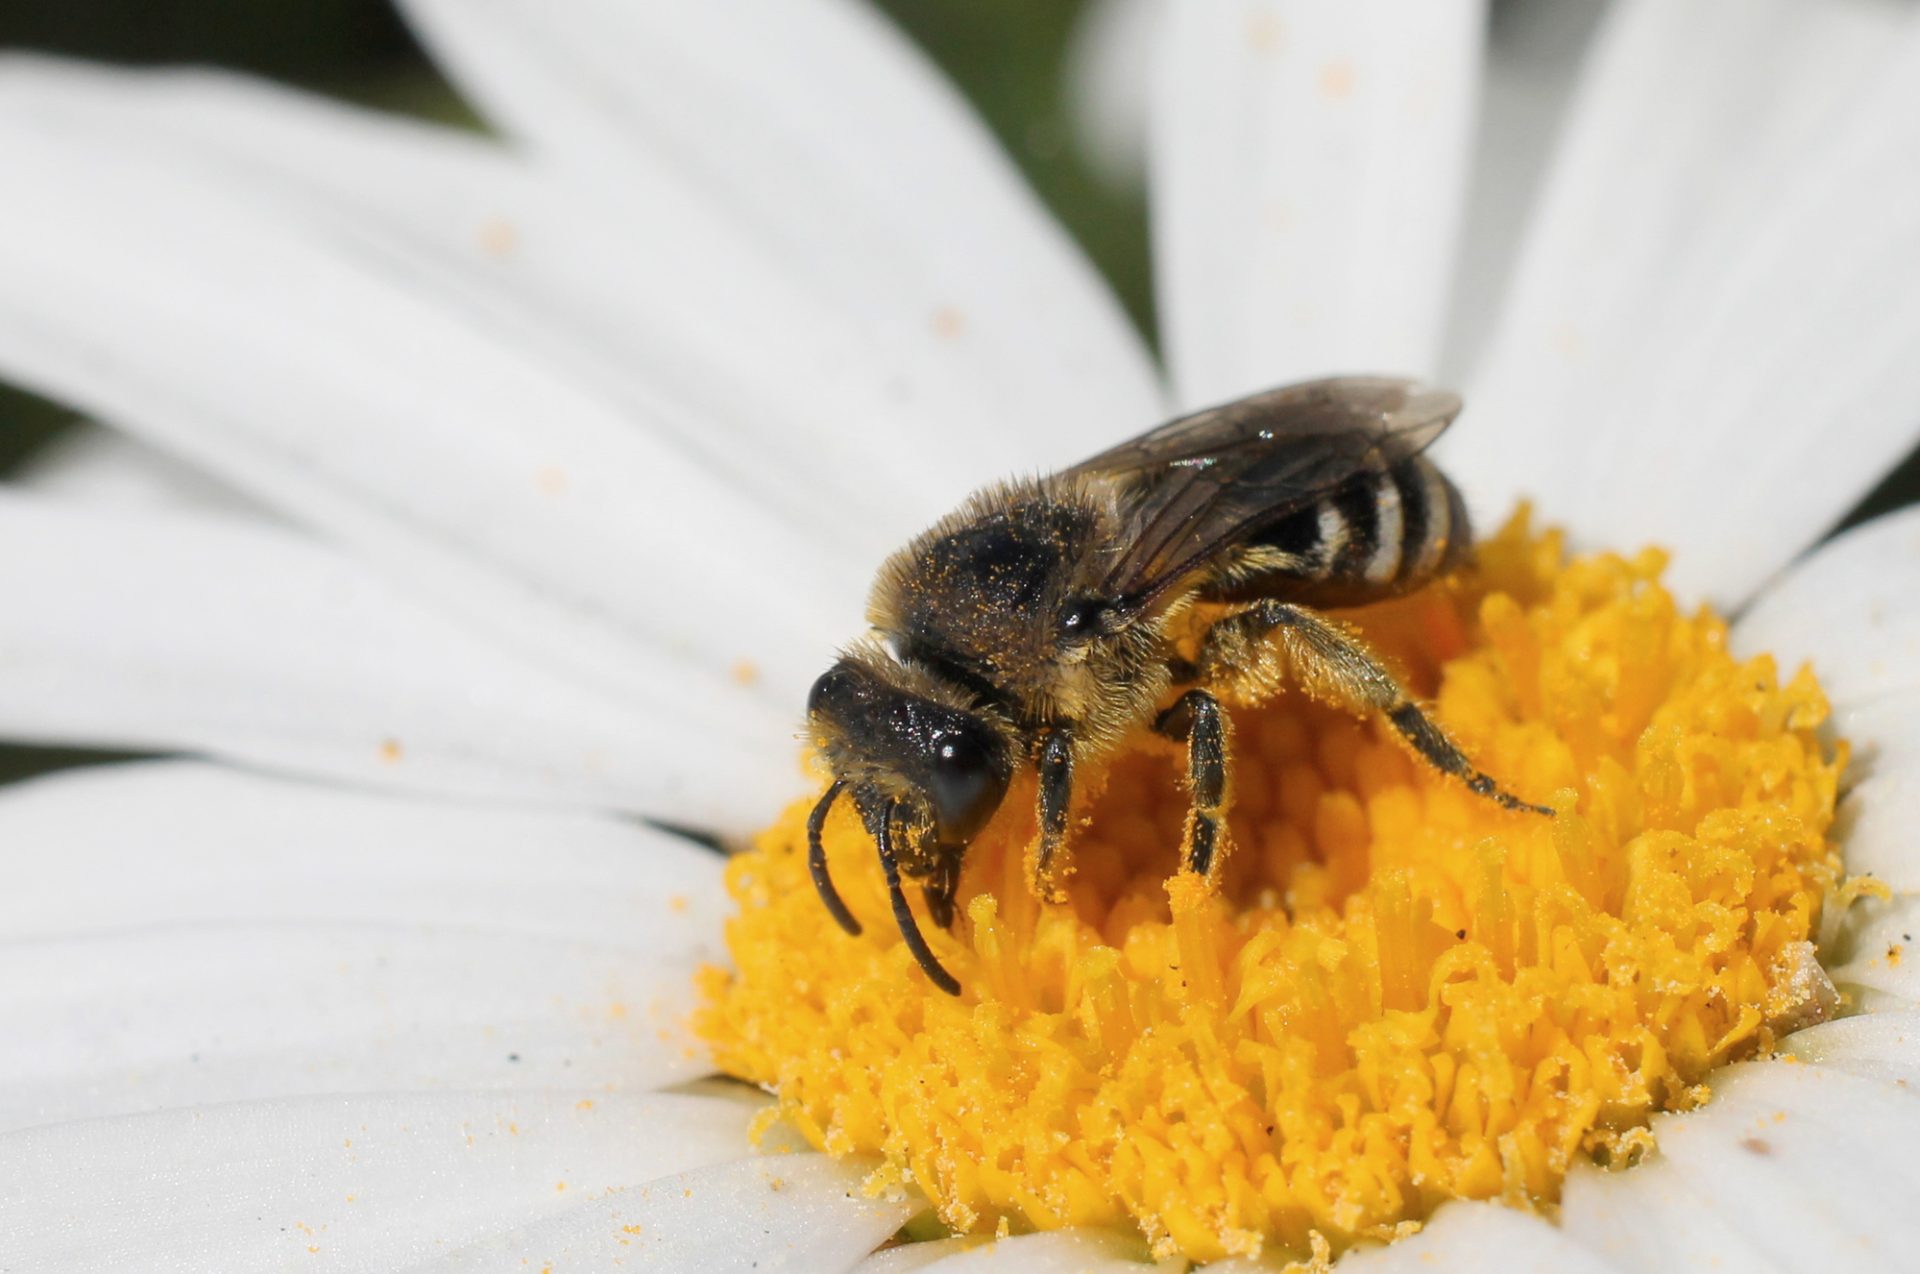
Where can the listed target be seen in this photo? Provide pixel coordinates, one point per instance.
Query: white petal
(816, 129)
(1109, 59)
(803, 1213)
(1852, 608)
(97, 465)
(1057, 1252)
(1853, 611)
(167, 630)
(658, 308)
(1309, 168)
(338, 1184)
(1881, 807)
(1787, 1167)
(176, 843)
(162, 1018)
(1533, 57)
(1883, 1046)
(904, 1258)
(338, 385)
(1875, 947)
(1463, 1236)
(1707, 341)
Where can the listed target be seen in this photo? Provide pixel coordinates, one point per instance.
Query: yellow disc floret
(1395, 994)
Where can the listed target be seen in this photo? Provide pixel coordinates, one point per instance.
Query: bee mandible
(1039, 623)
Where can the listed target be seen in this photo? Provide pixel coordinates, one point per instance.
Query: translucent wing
(1199, 485)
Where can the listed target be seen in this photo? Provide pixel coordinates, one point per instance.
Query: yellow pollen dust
(1396, 994)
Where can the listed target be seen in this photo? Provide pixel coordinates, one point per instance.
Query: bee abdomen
(1381, 533)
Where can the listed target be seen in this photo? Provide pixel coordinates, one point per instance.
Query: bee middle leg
(1334, 664)
(1196, 720)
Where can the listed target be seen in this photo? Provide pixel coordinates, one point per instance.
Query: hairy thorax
(989, 598)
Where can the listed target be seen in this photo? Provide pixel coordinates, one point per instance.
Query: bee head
(888, 731)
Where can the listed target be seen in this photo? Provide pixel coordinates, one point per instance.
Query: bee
(1043, 620)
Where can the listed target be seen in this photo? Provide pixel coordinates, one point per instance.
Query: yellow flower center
(1397, 994)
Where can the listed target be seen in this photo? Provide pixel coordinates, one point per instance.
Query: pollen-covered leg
(1196, 720)
(941, 884)
(1334, 665)
(879, 818)
(1055, 764)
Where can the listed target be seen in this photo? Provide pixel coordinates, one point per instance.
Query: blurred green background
(1006, 55)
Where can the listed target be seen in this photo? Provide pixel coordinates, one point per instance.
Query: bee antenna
(902, 914)
(817, 860)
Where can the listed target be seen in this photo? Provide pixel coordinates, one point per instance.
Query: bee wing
(1202, 483)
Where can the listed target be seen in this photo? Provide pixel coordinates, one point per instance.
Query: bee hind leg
(1196, 720)
(1334, 664)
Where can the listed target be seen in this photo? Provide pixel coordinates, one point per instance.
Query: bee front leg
(1334, 664)
(1195, 719)
(1055, 763)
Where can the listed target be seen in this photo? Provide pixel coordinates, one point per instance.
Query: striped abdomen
(1379, 535)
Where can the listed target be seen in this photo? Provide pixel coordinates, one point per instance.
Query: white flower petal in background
(1717, 276)
(383, 1182)
(345, 390)
(801, 1213)
(1789, 1167)
(1531, 66)
(206, 936)
(651, 308)
(816, 129)
(92, 464)
(1309, 174)
(1883, 1046)
(173, 631)
(1109, 61)
(1054, 1252)
(1464, 1236)
(1852, 610)
(175, 843)
(903, 1258)
(1876, 956)
(172, 1018)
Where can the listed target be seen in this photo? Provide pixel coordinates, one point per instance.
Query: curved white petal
(341, 386)
(1718, 276)
(1055, 1252)
(180, 933)
(185, 631)
(1309, 170)
(1877, 948)
(803, 1213)
(363, 1183)
(903, 1258)
(659, 308)
(1852, 609)
(1788, 1167)
(169, 1017)
(817, 130)
(1109, 57)
(96, 465)
(116, 848)
(1464, 1236)
(1533, 57)
(1883, 1046)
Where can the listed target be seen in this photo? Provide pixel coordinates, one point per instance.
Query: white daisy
(557, 467)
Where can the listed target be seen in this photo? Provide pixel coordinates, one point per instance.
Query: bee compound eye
(965, 783)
